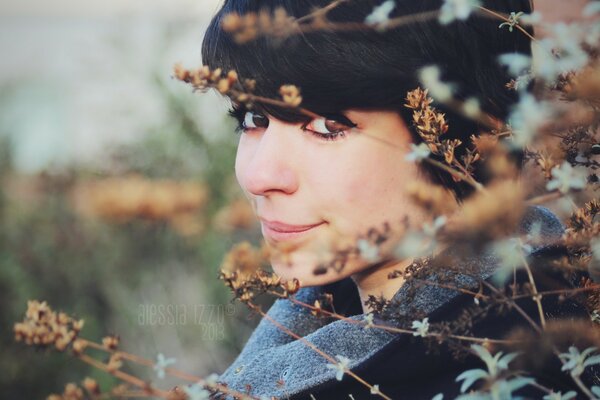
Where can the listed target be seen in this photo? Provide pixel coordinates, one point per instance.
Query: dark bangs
(366, 69)
(334, 70)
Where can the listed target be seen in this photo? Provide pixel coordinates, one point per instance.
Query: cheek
(367, 189)
(242, 160)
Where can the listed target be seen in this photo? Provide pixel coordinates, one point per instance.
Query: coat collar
(275, 364)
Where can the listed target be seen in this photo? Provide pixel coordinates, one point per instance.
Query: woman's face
(319, 189)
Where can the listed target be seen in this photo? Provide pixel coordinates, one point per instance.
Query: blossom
(510, 253)
(595, 246)
(418, 243)
(591, 8)
(513, 20)
(211, 379)
(161, 364)
(422, 327)
(432, 229)
(456, 9)
(527, 117)
(418, 153)
(576, 362)
(517, 63)
(561, 51)
(375, 389)
(534, 233)
(471, 107)
(196, 392)
(369, 320)
(522, 81)
(565, 178)
(531, 19)
(367, 250)
(430, 77)
(381, 14)
(340, 366)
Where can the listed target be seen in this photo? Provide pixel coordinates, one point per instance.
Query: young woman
(321, 182)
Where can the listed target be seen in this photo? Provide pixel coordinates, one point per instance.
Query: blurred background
(117, 196)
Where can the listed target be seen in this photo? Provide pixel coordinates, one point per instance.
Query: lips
(280, 231)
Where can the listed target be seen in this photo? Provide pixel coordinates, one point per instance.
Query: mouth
(278, 231)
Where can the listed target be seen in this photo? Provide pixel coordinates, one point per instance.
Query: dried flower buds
(249, 26)
(123, 199)
(291, 95)
(110, 342)
(44, 327)
(91, 386)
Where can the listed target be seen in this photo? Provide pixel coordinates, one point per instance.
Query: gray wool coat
(275, 364)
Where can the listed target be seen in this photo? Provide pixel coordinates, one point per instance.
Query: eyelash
(238, 113)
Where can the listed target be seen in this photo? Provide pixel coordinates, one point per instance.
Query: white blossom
(530, 19)
(522, 81)
(526, 118)
(565, 178)
(369, 320)
(421, 327)
(341, 367)
(513, 20)
(375, 389)
(431, 229)
(211, 379)
(561, 51)
(196, 392)
(430, 77)
(471, 107)
(510, 253)
(591, 8)
(418, 153)
(534, 235)
(161, 364)
(368, 251)
(381, 14)
(517, 63)
(456, 9)
(416, 243)
(595, 246)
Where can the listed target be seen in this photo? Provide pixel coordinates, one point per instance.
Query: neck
(374, 281)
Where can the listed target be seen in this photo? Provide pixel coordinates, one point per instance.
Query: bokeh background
(117, 195)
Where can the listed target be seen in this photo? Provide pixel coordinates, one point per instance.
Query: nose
(265, 162)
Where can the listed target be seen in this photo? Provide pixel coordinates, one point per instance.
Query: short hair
(370, 69)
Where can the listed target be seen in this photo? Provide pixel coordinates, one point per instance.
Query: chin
(300, 265)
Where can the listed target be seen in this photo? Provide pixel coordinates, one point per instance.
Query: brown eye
(327, 126)
(254, 120)
(330, 127)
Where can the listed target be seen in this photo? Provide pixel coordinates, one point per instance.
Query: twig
(536, 296)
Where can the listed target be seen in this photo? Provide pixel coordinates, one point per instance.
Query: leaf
(518, 383)
(504, 361)
(592, 361)
(470, 377)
